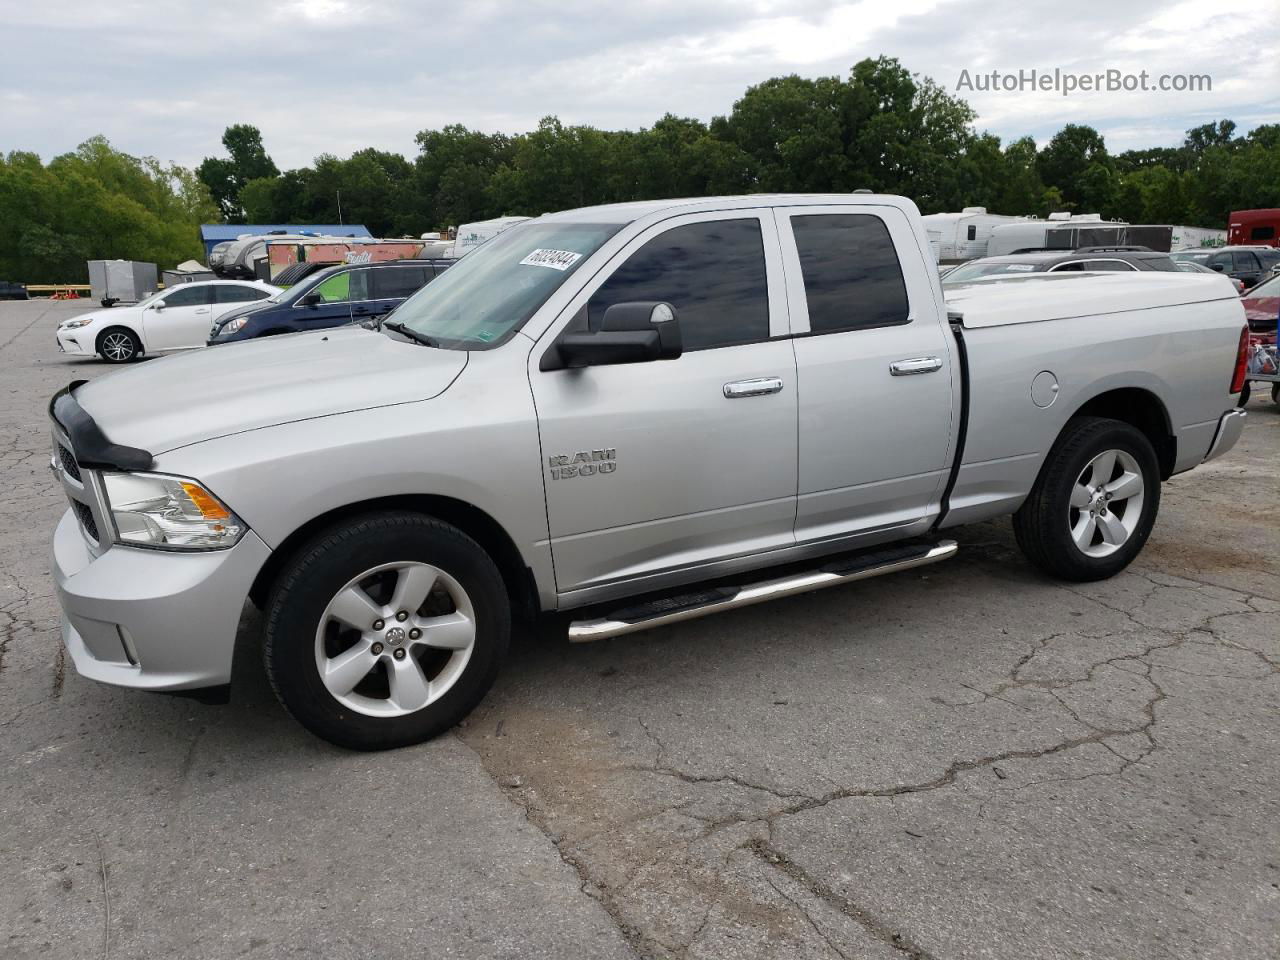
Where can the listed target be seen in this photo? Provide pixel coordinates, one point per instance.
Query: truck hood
(171, 402)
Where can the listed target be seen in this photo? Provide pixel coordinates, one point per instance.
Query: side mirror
(311, 299)
(158, 305)
(1217, 266)
(636, 332)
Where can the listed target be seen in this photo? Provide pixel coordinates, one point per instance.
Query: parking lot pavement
(962, 761)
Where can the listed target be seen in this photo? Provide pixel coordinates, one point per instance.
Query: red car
(1262, 310)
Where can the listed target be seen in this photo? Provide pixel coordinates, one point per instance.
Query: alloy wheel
(395, 639)
(117, 346)
(1106, 503)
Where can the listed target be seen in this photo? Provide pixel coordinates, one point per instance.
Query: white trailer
(964, 235)
(1193, 238)
(471, 235)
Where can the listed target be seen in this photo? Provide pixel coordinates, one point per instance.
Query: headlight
(78, 322)
(231, 326)
(171, 513)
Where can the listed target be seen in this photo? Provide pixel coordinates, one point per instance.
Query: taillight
(1242, 362)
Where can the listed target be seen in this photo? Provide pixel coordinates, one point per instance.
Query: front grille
(69, 465)
(85, 516)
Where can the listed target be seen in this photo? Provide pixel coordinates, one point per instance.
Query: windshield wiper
(412, 334)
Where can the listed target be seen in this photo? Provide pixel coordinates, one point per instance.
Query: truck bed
(1062, 296)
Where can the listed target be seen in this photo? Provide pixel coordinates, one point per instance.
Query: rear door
(658, 468)
(184, 320)
(1246, 267)
(874, 371)
(228, 296)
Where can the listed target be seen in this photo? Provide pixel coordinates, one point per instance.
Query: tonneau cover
(1061, 296)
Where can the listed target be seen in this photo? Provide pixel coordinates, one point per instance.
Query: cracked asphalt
(962, 761)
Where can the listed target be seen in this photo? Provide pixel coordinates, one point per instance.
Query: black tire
(1043, 524)
(315, 575)
(1245, 393)
(1275, 393)
(118, 345)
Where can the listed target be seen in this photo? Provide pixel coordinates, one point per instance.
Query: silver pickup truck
(626, 413)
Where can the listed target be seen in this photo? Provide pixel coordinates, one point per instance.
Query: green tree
(226, 177)
(1067, 157)
(95, 203)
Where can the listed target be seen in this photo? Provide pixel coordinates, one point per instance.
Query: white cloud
(336, 75)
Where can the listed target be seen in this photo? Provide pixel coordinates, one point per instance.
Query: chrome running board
(659, 613)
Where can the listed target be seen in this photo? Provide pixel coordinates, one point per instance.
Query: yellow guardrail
(58, 291)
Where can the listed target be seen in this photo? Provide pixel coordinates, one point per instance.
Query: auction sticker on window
(555, 259)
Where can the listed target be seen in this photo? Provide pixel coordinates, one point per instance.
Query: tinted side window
(238, 294)
(1071, 266)
(852, 277)
(1221, 259)
(1262, 233)
(188, 297)
(973, 232)
(397, 282)
(1108, 265)
(1160, 263)
(1245, 260)
(713, 274)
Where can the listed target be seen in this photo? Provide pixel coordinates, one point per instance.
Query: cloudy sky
(164, 79)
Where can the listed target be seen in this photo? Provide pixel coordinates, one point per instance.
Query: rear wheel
(118, 345)
(1094, 504)
(386, 631)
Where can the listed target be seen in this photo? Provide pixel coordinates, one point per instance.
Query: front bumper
(152, 619)
(1229, 429)
(76, 342)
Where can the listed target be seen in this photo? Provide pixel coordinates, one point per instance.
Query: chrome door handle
(906, 368)
(752, 388)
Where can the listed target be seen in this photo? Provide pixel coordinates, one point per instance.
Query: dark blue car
(348, 293)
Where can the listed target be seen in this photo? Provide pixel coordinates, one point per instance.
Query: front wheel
(1094, 503)
(386, 630)
(118, 345)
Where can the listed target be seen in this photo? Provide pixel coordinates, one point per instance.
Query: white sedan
(175, 319)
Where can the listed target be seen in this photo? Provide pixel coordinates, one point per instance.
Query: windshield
(490, 293)
(1268, 288)
(981, 268)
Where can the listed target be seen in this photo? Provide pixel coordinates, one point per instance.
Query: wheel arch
(471, 520)
(1141, 409)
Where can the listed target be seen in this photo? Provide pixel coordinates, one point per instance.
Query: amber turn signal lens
(210, 508)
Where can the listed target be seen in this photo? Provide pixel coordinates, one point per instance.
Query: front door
(654, 468)
(180, 319)
(875, 372)
(333, 309)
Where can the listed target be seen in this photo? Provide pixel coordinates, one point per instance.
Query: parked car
(1190, 266)
(1086, 259)
(331, 297)
(1262, 308)
(169, 320)
(595, 411)
(1249, 265)
(13, 291)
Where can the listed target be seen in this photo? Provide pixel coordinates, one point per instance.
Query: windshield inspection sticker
(1021, 267)
(555, 259)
